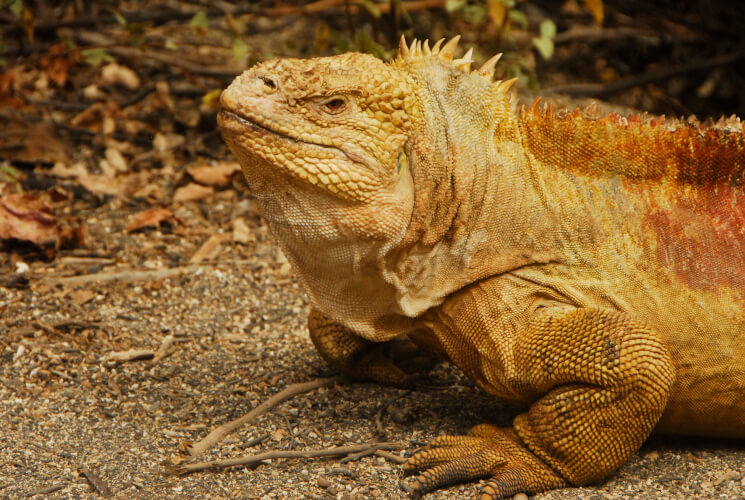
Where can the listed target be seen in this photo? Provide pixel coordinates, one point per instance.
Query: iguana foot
(486, 452)
(388, 363)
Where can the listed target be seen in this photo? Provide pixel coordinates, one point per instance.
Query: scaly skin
(590, 270)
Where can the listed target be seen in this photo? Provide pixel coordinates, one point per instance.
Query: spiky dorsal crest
(636, 147)
(446, 52)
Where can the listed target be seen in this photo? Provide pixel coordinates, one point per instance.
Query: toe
(520, 478)
(487, 452)
(442, 449)
(468, 468)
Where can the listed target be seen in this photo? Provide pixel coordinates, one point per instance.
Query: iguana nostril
(268, 82)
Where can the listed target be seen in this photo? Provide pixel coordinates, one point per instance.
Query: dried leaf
(209, 249)
(218, 174)
(80, 297)
(497, 12)
(103, 184)
(114, 73)
(152, 218)
(116, 160)
(596, 9)
(21, 140)
(57, 63)
(241, 233)
(28, 217)
(279, 434)
(73, 236)
(76, 170)
(166, 142)
(98, 117)
(193, 192)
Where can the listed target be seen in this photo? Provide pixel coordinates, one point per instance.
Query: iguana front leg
(361, 359)
(599, 382)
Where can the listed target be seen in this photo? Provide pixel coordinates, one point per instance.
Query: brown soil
(239, 327)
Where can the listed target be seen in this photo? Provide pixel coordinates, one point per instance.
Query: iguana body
(592, 270)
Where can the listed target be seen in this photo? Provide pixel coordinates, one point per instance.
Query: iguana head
(337, 123)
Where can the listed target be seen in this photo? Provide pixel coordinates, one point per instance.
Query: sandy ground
(75, 424)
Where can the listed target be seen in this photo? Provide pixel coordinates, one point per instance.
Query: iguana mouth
(259, 123)
(255, 121)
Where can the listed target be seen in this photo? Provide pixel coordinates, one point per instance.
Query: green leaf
(366, 44)
(548, 29)
(240, 49)
(199, 23)
(8, 173)
(545, 42)
(453, 5)
(474, 14)
(15, 6)
(170, 44)
(545, 46)
(119, 18)
(94, 57)
(371, 8)
(518, 17)
(212, 97)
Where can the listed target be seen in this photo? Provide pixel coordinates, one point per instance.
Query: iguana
(591, 270)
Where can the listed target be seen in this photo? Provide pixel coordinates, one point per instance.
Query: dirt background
(126, 226)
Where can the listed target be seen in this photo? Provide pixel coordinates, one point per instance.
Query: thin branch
(219, 433)
(162, 17)
(592, 34)
(47, 490)
(360, 454)
(98, 483)
(603, 89)
(169, 58)
(391, 456)
(291, 444)
(125, 276)
(269, 455)
(165, 346)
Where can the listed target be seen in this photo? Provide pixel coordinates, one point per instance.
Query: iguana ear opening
(402, 163)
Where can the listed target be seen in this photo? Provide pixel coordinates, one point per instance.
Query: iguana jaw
(258, 142)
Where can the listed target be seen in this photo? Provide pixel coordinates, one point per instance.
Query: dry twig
(219, 433)
(97, 483)
(162, 351)
(269, 455)
(604, 89)
(46, 490)
(130, 355)
(391, 456)
(130, 275)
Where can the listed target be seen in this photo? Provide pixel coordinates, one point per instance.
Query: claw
(487, 451)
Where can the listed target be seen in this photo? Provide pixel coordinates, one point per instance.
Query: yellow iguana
(590, 270)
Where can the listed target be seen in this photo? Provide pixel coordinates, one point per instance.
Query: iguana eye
(335, 105)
